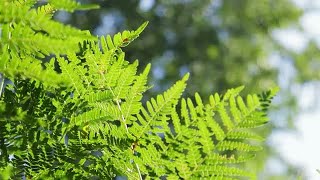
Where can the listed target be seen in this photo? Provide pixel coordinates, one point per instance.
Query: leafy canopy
(71, 107)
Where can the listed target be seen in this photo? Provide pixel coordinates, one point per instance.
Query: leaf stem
(1, 83)
(140, 176)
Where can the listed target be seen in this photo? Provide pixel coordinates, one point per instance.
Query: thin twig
(1, 83)
(140, 176)
(122, 117)
(118, 104)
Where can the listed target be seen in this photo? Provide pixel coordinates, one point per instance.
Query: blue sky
(302, 147)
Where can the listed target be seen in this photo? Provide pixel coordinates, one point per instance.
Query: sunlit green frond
(46, 9)
(243, 135)
(240, 146)
(133, 104)
(121, 39)
(155, 115)
(71, 108)
(214, 159)
(30, 68)
(221, 172)
(202, 134)
(68, 71)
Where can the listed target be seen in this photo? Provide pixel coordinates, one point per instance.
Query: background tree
(222, 43)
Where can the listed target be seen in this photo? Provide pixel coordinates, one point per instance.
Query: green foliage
(72, 108)
(28, 34)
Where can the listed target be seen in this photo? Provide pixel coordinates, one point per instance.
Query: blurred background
(225, 44)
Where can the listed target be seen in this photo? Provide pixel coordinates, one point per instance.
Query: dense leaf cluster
(71, 107)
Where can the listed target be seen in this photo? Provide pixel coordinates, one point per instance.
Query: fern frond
(25, 38)
(68, 71)
(158, 109)
(31, 68)
(222, 172)
(46, 9)
(198, 138)
(121, 39)
(28, 17)
(240, 146)
(125, 80)
(214, 159)
(133, 104)
(266, 97)
(244, 135)
(101, 112)
(30, 33)
(5, 171)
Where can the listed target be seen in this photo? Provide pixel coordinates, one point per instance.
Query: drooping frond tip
(120, 40)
